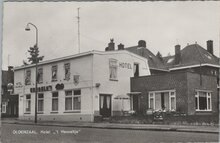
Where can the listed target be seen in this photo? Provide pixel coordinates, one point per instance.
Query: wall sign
(41, 89)
(125, 65)
(18, 85)
(59, 86)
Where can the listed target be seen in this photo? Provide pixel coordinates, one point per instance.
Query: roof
(153, 61)
(191, 56)
(77, 56)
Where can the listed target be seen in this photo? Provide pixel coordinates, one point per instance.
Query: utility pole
(78, 18)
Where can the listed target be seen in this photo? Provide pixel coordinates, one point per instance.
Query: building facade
(195, 95)
(190, 86)
(9, 106)
(78, 87)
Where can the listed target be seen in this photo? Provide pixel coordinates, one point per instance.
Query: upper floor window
(40, 75)
(136, 69)
(54, 73)
(67, 71)
(28, 77)
(203, 101)
(113, 69)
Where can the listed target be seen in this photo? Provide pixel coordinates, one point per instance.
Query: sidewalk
(153, 127)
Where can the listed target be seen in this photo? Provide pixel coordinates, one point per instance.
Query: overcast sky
(161, 24)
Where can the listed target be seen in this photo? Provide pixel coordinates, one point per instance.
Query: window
(4, 106)
(113, 69)
(28, 77)
(136, 70)
(73, 100)
(162, 100)
(172, 101)
(40, 102)
(28, 103)
(67, 71)
(40, 75)
(54, 73)
(203, 101)
(55, 101)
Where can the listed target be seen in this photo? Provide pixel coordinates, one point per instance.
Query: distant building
(9, 101)
(79, 87)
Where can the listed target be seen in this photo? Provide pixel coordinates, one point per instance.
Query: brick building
(166, 92)
(189, 85)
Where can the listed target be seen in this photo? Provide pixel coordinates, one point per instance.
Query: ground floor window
(40, 102)
(4, 105)
(55, 101)
(162, 100)
(73, 100)
(203, 101)
(28, 103)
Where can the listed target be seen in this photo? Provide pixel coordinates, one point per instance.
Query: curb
(118, 127)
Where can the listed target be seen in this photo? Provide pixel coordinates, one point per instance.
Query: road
(14, 133)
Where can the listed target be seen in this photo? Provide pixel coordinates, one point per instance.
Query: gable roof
(192, 55)
(153, 61)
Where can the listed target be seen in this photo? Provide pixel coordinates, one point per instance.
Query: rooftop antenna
(78, 18)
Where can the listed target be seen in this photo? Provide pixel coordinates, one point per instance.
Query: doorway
(105, 106)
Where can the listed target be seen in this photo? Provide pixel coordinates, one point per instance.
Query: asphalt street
(14, 133)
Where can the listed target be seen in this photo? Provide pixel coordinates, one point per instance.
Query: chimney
(111, 45)
(210, 46)
(141, 43)
(121, 46)
(177, 54)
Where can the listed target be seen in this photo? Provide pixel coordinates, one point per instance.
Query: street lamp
(28, 29)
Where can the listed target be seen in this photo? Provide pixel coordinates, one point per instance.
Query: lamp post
(28, 29)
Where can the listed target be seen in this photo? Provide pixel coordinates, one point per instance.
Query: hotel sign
(125, 65)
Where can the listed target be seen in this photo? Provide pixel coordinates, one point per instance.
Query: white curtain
(101, 101)
(108, 101)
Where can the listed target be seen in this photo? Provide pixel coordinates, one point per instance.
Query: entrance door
(105, 105)
(135, 104)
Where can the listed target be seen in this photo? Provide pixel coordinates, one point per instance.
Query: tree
(34, 55)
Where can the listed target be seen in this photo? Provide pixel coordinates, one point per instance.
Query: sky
(161, 24)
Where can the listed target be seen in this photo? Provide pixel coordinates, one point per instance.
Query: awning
(134, 93)
(122, 97)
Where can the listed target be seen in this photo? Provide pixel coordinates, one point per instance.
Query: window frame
(28, 101)
(55, 98)
(136, 70)
(208, 97)
(54, 68)
(40, 99)
(4, 107)
(72, 96)
(67, 67)
(113, 66)
(40, 74)
(26, 77)
(153, 93)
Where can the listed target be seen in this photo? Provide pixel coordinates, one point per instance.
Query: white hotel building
(79, 87)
